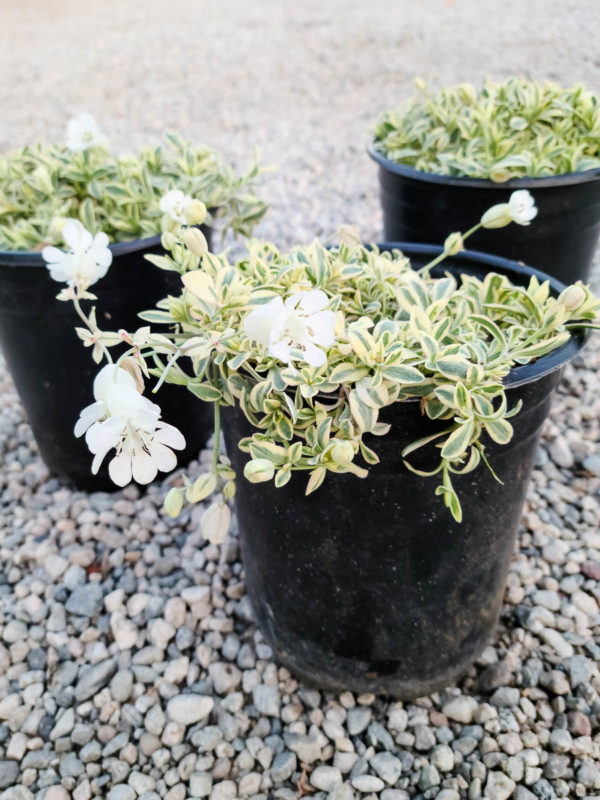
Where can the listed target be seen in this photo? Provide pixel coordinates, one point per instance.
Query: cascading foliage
(500, 131)
(398, 334)
(312, 345)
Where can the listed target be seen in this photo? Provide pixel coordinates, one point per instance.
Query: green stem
(170, 363)
(93, 331)
(444, 255)
(217, 441)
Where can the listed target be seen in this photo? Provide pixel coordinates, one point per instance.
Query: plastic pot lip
(565, 179)
(31, 258)
(526, 373)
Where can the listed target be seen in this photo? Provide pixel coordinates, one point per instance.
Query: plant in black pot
(446, 156)
(131, 199)
(429, 381)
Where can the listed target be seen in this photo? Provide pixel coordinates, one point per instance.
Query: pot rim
(524, 373)
(565, 178)
(33, 258)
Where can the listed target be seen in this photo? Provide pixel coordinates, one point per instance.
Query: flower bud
(214, 523)
(168, 240)
(259, 470)
(195, 212)
(173, 502)
(168, 224)
(195, 241)
(497, 216)
(499, 174)
(454, 244)
(229, 490)
(342, 453)
(573, 297)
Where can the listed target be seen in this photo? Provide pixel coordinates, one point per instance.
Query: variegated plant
(43, 185)
(313, 344)
(501, 131)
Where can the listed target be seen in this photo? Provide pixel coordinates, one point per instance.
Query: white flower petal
(53, 255)
(100, 241)
(75, 236)
(169, 435)
(108, 375)
(103, 436)
(143, 467)
(87, 417)
(322, 327)
(314, 356)
(258, 324)
(281, 350)
(163, 457)
(119, 469)
(309, 302)
(522, 207)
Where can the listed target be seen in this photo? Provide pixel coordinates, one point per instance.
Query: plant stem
(444, 255)
(94, 331)
(217, 431)
(172, 360)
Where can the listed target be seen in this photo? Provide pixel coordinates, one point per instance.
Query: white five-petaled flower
(123, 419)
(86, 260)
(174, 204)
(295, 329)
(522, 207)
(83, 132)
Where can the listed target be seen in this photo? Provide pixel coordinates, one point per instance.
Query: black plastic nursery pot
(369, 584)
(561, 240)
(53, 372)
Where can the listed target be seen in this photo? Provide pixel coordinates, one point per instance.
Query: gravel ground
(130, 665)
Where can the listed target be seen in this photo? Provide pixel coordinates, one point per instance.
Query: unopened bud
(499, 174)
(259, 470)
(173, 502)
(131, 366)
(195, 212)
(497, 216)
(195, 241)
(454, 244)
(573, 297)
(168, 224)
(168, 240)
(342, 453)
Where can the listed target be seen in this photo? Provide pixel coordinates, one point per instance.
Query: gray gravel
(129, 663)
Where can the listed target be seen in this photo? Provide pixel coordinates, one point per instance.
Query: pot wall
(370, 585)
(561, 240)
(53, 372)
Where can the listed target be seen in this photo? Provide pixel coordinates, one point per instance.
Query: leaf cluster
(501, 131)
(400, 334)
(40, 185)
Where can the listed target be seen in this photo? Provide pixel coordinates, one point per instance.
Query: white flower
(522, 207)
(86, 260)
(121, 418)
(174, 204)
(83, 132)
(292, 330)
